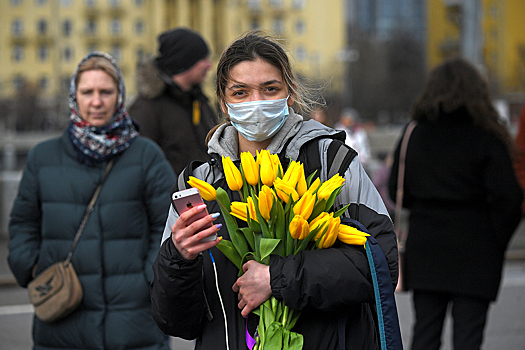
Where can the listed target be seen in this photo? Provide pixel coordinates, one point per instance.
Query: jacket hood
(149, 81)
(225, 139)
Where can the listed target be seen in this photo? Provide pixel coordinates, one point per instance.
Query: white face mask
(258, 120)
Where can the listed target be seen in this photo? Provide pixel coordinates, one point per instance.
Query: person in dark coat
(519, 160)
(464, 204)
(115, 253)
(327, 285)
(171, 108)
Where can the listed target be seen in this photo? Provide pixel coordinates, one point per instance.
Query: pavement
(505, 328)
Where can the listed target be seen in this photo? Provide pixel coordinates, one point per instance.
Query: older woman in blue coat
(115, 253)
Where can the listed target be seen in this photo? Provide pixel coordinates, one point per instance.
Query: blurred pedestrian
(464, 204)
(115, 253)
(519, 161)
(319, 115)
(171, 108)
(380, 180)
(356, 135)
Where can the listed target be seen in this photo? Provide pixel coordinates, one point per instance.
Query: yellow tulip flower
(277, 163)
(329, 238)
(232, 174)
(314, 185)
(250, 168)
(292, 174)
(284, 190)
(305, 205)
(266, 197)
(319, 222)
(251, 208)
(268, 168)
(239, 210)
(351, 235)
(207, 191)
(299, 228)
(301, 184)
(329, 186)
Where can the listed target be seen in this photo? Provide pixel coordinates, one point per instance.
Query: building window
(91, 26)
(43, 53)
(254, 24)
(16, 2)
(139, 3)
(115, 27)
(276, 3)
(114, 3)
(43, 83)
(300, 53)
(90, 3)
(298, 4)
(141, 55)
(139, 27)
(67, 28)
(67, 54)
(40, 2)
(278, 25)
(254, 4)
(300, 27)
(116, 52)
(42, 27)
(65, 3)
(18, 53)
(18, 82)
(17, 27)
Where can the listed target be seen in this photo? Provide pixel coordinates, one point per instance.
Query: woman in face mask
(257, 88)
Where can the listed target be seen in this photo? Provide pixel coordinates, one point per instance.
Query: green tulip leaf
(268, 245)
(226, 247)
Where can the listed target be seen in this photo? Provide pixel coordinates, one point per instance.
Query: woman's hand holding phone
(194, 231)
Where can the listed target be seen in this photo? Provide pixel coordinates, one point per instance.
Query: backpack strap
(388, 321)
(339, 155)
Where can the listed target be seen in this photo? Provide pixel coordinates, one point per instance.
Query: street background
(505, 328)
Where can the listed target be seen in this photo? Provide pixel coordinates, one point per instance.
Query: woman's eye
(272, 89)
(238, 93)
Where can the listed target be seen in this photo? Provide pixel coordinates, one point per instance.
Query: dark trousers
(469, 317)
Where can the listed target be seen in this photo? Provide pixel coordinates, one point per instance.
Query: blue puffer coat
(115, 254)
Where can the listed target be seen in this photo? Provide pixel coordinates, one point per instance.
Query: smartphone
(187, 199)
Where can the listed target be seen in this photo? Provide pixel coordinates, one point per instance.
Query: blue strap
(389, 331)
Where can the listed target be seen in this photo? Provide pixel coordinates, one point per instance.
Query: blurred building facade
(487, 32)
(41, 41)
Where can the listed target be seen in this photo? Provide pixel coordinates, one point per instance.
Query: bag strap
(387, 317)
(401, 173)
(89, 209)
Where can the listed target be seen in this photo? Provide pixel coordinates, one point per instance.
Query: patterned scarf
(97, 144)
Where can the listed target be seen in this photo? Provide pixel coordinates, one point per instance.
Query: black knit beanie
(179, 50)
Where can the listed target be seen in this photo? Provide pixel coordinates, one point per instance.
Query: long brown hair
(456, 84)
(250, 47)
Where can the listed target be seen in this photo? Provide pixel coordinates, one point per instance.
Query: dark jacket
(114, 256)
(165, 114)
(519, 161)
(464, 204)
(324, 284)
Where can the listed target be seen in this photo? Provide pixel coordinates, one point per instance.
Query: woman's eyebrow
(243, 85)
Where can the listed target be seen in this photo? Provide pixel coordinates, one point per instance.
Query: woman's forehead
(254, 73)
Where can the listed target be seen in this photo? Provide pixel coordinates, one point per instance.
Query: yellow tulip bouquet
(285, 213)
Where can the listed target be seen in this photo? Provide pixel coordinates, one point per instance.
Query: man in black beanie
(171, 108)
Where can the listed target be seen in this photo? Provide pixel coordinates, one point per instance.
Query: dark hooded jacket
(165, 114)
(326, 285)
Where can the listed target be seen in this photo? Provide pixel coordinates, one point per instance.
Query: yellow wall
(219, 21)
(503, 42)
